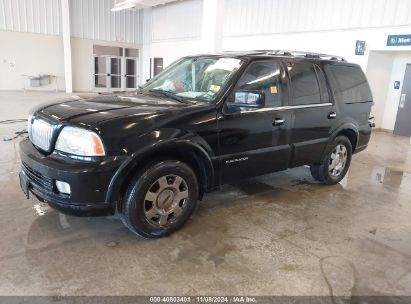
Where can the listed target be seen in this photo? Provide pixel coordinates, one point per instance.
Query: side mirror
(247, 99)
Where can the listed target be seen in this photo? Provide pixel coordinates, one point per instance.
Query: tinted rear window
(350, 84)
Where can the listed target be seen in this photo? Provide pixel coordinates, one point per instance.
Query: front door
(403, 121)
(253, 141)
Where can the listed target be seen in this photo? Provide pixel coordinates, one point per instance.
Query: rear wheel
(161, 199)
(335, 162)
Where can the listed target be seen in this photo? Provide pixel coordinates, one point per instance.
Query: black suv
(205, 121)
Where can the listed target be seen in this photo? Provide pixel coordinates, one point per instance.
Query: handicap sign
(399, 40)
(397, 85)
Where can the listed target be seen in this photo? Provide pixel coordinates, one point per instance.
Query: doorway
(403, 121)
(158, 65)
(115, 68)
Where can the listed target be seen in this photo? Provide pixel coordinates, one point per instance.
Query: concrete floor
(281, 234)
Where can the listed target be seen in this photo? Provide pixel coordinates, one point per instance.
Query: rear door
(253, 141)
(313, 113)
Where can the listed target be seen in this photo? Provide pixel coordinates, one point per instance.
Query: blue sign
(398, 40)
(397, 85)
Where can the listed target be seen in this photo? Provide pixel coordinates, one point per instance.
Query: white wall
(32, 16)
(31, 54)
(256, 17)
(146, 49)
(92, 19)
(177, 21)
(400, 62)
(379, 76)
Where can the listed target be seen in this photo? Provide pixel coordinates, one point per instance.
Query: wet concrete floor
(280, 234)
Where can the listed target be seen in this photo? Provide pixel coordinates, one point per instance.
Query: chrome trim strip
(315, 105)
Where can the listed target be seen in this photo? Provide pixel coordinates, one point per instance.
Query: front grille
(38, 179)
(40, 133)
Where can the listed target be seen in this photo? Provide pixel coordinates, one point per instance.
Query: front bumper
(89, 181)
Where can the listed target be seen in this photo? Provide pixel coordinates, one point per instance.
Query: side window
(304, 83)
(350, 84)
(325, 97)
(263, 77)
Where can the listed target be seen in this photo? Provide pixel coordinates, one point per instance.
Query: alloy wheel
(165, 200)
(338, 160)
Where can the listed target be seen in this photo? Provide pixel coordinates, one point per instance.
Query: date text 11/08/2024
(204, 299)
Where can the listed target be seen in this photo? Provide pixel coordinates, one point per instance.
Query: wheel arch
(185, 151)
(350, 131)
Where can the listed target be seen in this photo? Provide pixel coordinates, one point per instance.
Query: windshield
(200, 78)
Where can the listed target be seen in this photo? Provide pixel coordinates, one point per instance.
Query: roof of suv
(281, 53)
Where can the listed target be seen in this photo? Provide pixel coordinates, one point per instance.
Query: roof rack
(306, 54)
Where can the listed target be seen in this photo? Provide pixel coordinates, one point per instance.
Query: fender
(347, 125)
(180, 141)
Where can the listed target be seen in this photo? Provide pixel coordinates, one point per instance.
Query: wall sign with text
(399, 40)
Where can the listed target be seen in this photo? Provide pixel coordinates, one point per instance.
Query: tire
(160, 199)
(335, 162)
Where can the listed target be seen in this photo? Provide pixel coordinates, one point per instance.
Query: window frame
(283, 81)
(333, 82)
(318, 69)
(291, 96)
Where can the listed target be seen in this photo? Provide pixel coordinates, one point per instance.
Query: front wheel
(335, 162)
(160, 199)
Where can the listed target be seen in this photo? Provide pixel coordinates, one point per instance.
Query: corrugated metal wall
(35, 16)
(92, 19)
(179, 20)
(245, 17)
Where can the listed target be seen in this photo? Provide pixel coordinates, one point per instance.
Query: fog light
(63, 187)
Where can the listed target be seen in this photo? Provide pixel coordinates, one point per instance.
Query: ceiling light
(123, 6)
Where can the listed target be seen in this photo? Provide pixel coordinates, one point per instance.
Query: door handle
(402, 100)
(332, 115)
(278, 122)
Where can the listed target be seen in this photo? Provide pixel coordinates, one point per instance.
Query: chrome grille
(41, 133)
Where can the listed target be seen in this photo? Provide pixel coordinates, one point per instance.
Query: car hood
(91, 111)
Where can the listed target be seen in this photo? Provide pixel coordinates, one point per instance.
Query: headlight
(80, 142)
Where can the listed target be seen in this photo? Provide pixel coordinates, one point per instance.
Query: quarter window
(351, 86)
(304, 83)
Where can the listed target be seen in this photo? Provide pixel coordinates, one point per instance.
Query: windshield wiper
(169, 94)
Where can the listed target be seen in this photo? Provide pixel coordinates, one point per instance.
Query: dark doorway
(158, 65)
(403, 121)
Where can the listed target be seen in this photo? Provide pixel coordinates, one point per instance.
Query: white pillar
(68, 76)
(212, 25)
(146, 32)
